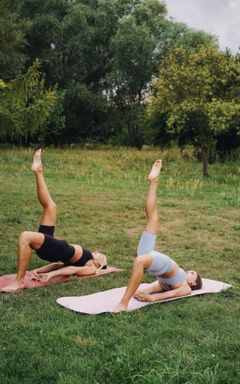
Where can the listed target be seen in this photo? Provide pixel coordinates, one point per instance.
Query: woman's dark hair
(198, 283)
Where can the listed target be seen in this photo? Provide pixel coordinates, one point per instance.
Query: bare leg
(34, 240)
(141, 263)
(49, 216)
(151, 200)
(27, 242)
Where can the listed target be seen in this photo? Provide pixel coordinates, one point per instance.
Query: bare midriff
(78, 253)
(171, 274)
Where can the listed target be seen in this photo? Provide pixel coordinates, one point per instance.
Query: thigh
(49, 217)
(34, 239)
(46, 229)
(147, 243)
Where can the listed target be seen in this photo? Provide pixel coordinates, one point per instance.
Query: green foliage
(133, 50)
(84, 108)
(11, 41)
(51, 131)
(198, 89)
(24, 104)
(101, 55)
(190, 38)
(134, 63)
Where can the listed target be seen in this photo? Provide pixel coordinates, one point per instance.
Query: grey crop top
(177, 279)
(162, 264)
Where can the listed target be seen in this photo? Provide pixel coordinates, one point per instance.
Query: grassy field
(100, 194)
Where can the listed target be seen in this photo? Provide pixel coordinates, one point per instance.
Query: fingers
(34, 275)
(43, 277)
(139, 296)
(142, 296)
(141, 292)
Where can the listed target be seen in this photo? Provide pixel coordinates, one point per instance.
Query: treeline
(93, 63)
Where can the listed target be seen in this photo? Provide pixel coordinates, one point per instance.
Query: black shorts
(54, 249)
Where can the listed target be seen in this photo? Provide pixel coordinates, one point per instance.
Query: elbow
(59, 265)
(92, 271)
(188, 291)
(71, 270)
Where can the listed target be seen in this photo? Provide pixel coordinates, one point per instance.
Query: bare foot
(120, 308)
(13, 287)
(155, 171)
(37, 162)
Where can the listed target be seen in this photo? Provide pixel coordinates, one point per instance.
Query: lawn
(100, 195)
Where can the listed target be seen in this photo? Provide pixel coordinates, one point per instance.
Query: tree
(12, 28)
(133, 48)
(134, 62)
(139, 45)
(71, 40)
(198, 89)
(24, 104)
(102, 55)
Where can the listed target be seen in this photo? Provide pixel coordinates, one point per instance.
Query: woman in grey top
(172, 281)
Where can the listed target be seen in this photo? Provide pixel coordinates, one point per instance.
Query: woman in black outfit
(66, 259)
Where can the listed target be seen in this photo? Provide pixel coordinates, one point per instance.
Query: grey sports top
(162, 264)
(179, 277)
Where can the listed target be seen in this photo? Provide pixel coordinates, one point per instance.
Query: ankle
(19, 280)
(154, 181)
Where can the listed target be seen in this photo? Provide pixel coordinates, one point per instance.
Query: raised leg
(152, 225)
(141, 263)
(34, 240)
(49, 216)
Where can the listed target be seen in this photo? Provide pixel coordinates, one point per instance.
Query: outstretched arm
(154, 287)
(48, 268)
(178, 292)
(68, 271)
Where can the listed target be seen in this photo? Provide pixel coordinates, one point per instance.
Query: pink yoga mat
(107, 301)
(29, 283)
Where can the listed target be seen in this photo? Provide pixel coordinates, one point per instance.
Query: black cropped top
(86, 256)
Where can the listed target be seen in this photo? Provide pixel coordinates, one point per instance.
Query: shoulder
(89, 263)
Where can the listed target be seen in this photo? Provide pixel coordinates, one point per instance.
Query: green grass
(100, 194)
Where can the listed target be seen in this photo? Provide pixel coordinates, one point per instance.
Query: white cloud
(218, 17)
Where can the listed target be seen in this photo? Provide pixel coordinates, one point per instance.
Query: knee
(25, 237)
(52, 206)
(138, 262)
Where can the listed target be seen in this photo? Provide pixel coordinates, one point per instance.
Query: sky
(218, 17)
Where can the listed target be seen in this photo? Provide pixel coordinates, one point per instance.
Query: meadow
(100, 195)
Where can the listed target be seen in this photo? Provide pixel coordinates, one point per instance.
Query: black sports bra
(86, 256)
